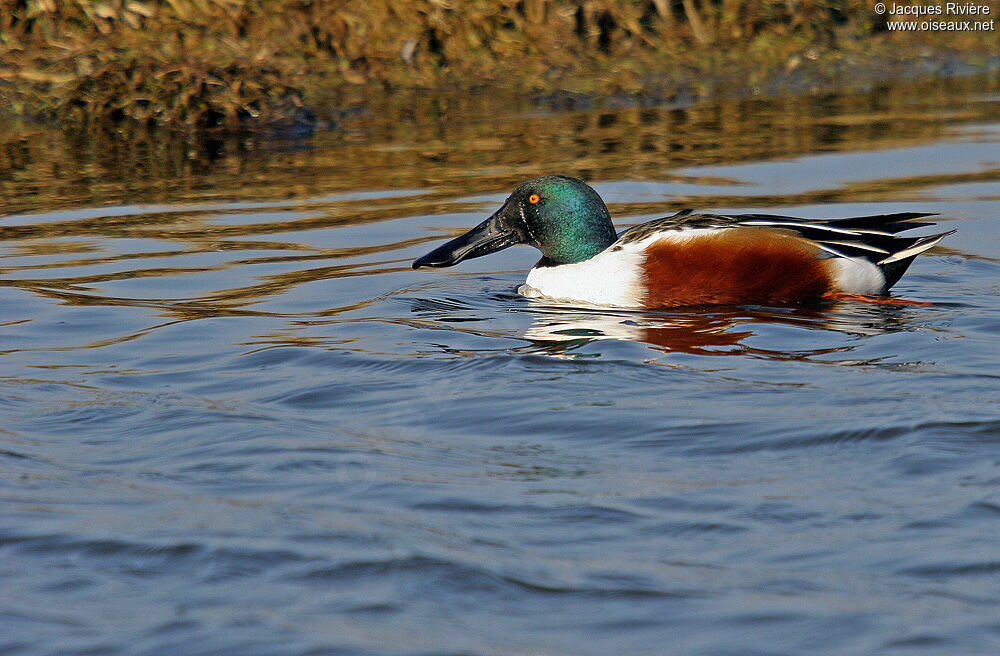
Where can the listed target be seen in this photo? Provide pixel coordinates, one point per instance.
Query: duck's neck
(577, 241)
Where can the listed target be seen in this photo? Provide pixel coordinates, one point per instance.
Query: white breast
(608, 278)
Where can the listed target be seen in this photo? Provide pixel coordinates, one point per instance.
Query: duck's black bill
(488, 237)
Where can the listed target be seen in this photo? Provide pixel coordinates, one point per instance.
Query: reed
(259, 62)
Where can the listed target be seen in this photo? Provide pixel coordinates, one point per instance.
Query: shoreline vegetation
(205, 64)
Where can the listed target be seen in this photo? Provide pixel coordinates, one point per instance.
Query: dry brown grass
(229, 62)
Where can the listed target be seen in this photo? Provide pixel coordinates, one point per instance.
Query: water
(236, 422)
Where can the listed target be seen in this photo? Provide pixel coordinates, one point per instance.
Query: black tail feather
(893, 223)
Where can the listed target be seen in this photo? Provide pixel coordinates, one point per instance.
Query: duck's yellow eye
(533, 199)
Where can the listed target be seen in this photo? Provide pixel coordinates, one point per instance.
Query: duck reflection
(703, 334)
(698, 331)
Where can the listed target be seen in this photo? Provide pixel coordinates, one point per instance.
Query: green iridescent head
(562, 217)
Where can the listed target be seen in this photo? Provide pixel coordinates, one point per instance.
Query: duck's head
(562, 217)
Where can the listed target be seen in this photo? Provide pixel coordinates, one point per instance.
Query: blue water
(234, 420)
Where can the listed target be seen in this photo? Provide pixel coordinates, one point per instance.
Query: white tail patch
(853, 275)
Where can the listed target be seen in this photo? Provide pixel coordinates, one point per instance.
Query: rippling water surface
(235, 421)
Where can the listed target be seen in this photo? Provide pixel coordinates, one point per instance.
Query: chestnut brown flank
(734, 266)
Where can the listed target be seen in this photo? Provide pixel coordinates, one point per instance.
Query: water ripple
(235, 421)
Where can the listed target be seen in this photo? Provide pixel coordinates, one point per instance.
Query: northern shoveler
(688, 258)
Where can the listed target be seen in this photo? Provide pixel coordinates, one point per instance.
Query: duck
(689, 258)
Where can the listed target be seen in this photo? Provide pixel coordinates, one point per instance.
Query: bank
(249, 64)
